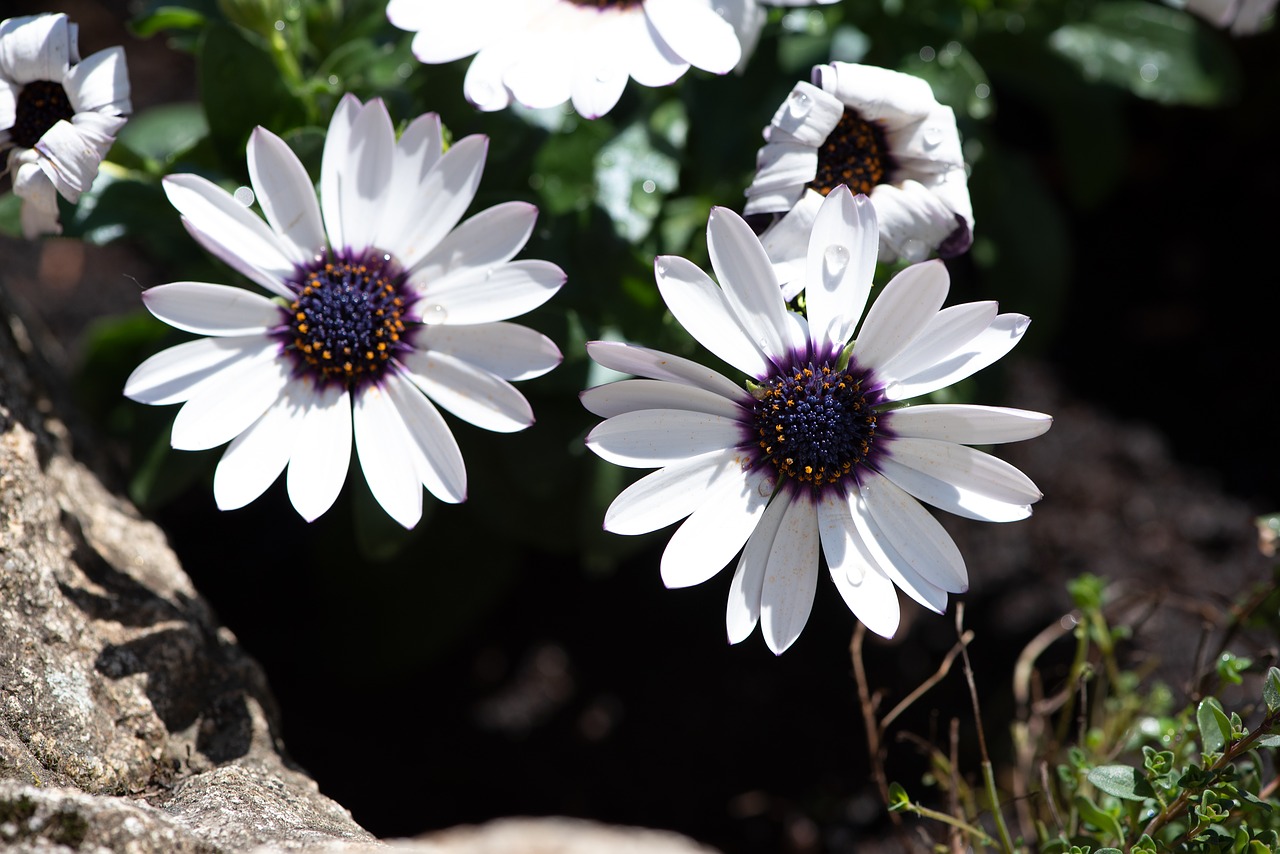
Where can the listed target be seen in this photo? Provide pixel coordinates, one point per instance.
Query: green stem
(925, 812)
(989, 780)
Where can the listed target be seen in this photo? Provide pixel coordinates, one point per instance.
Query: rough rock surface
(129, 719)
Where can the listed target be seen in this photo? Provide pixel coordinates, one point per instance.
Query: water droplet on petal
(932, 135)
(856, 574)
(765, 488)
(801, 104)
(243, 195)
(435, 315)
(914, 249)
(834, 260)
(661, 265)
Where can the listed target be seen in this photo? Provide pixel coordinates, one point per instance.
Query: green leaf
(635, 171)
(1099, 818)
(1121, 781)
(1271, 689)
(10, 215)
(163, 134)
(1215, 726)
(898, 798)
(241, 88)
(167, 18)
(1157, 53)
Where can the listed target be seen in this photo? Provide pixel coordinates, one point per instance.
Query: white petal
(808, 115)
(743, 610)
(633, 395)
(255, 458)
(964, 467)
(655, 364)
(436, 456)
(474, 395)
(914, 534)
(901, 312)
(706, 541)
(286, 195)
(879, 548)
(507, 290)
(659, 437)
(950, 497)
(840, 264)
(441, 198)
(943, 336)
(782, 169)
(175, 374)
(749, 284)
(73, 151)
(222, 408)
(669, 494)
(100, 83)
(786, 242)
(449, 30)
(540, 74)
(601, 71)
(695, 33)
(998, 338)
(879, 94)
(915, 220)
(36, 47)
(650, 58)
(212, 309)
(865, 588)
(489, 238)
(364, 178)
(382, 446)
(966, 424)
(336, 143)
(791, 577)
(322, 448)
(231, 231)
(701, 308)
(483, 86)
(507, 350)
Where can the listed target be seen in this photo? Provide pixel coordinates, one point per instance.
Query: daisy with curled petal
(541, 53)
(381, 307)
(58, 114)
(811, 455)
(878, 132)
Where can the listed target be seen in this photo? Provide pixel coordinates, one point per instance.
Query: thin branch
(988, 774)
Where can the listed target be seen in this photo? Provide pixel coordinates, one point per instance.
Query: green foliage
(1147, 777)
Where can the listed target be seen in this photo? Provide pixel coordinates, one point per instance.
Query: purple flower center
(41, 105)
(814, 423)
(348, 318)
(856, 154)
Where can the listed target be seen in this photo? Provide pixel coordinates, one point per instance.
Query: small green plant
(1112, 762)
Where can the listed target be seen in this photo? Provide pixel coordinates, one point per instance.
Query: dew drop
(765, 488)
(435, 315)
(243, 195)
(1149, 72)
(914, 249)
(722, 10)
(648, 186)
(661, 266)
(982, 91)
(932, 135)
(856, 574)
(834, 260)
(801, 104)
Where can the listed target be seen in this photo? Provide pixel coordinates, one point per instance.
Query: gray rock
(129, 719)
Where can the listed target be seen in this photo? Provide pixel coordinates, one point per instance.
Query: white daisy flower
(812, 454)
(58, 114)
(381, 306)
(541, 53)
(878, 132)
